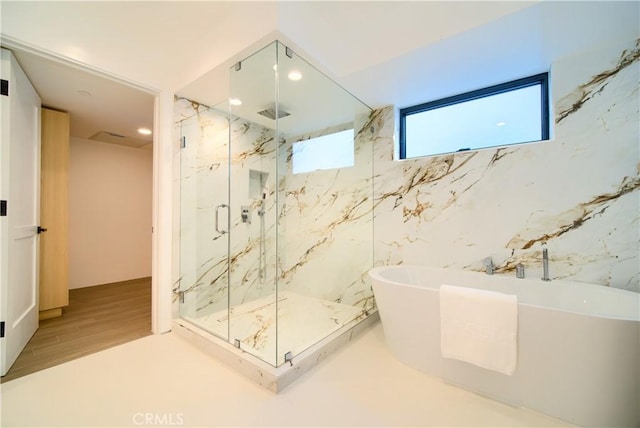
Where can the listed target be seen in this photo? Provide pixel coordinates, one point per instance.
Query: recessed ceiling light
(295, 75)
(85, 93)
(235, 101)
(144, 131)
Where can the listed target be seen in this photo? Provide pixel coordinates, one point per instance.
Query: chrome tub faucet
(489, 268)
(520, 270)
(545, 265)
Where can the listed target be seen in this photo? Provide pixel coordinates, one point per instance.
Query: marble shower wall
(325, 218)
(326, 223)
(201, 165)
(203, 187)
(578, 193)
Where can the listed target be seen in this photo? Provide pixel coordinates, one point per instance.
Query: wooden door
(54, 214)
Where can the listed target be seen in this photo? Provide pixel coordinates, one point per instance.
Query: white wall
(110, 200)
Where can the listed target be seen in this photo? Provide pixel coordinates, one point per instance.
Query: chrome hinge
(181, 296)
(3, 208)
(2, 329)
(4, 87)
(288, 357)
(183, 142)
(236, 343)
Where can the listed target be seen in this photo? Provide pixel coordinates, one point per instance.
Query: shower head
(271, 113)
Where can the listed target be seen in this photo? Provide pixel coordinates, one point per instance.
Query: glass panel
(292, 268)
(203, 200)
(252, 256)
(325, 234)
(512, 117)
(505, 118)
(325, 152)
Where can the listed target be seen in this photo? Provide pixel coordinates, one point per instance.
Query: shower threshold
(308, 327)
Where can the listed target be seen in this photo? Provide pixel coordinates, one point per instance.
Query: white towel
(479, 327)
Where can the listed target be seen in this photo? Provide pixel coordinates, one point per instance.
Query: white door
(20, 195)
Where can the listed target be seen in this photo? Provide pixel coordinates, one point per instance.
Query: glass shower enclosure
(276, 215)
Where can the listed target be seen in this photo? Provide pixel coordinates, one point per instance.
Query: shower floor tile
(302, 321)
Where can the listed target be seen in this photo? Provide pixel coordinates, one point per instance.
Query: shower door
(204, 226)
(228, 211)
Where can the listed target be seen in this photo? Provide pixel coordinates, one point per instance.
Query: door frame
(162, 213)
(162, 197)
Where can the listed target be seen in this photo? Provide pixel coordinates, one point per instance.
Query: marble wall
(318, 232)
(327, 225)
(578, 193)
(198, 165)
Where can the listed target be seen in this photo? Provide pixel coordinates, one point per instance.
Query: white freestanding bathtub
(578, 344)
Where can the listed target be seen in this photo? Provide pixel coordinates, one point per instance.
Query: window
(325, 152)
(510, 113)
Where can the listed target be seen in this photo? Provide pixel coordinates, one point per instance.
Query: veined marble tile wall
(327, 225)
(201, 165)
(325, 218)
(578, 193)
(204, 188)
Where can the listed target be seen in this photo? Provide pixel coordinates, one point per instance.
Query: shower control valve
(245, 214)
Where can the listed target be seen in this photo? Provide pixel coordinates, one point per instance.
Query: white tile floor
(164, 380)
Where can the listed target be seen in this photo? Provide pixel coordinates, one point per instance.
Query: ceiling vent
(122, 140)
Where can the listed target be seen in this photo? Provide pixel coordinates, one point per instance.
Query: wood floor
(97, 318)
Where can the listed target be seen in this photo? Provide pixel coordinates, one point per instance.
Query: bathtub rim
(375, 275)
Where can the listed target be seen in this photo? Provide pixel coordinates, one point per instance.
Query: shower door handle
(218, 218)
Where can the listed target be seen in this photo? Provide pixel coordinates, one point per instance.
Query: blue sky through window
(509, 117)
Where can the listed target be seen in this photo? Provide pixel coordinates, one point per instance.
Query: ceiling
(100, 108)
(384, 52)
(168, 45)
